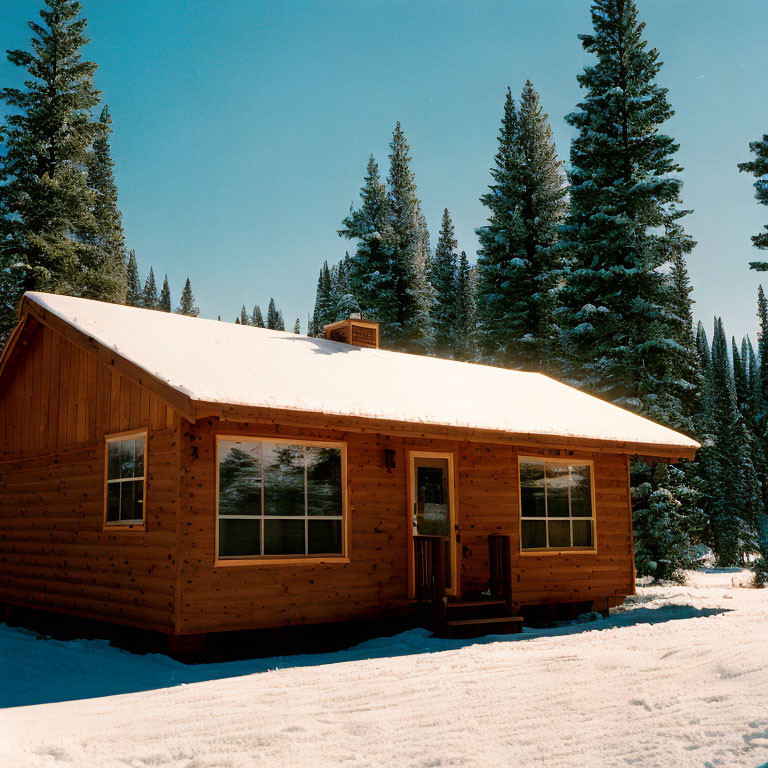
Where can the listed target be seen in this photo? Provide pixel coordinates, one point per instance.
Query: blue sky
(242, 129)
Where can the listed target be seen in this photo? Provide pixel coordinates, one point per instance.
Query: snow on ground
(678, 676)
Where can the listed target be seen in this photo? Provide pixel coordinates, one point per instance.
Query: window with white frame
(125, 479)
(279, 498)
(556, 508)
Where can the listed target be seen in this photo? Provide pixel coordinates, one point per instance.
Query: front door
(433, 507)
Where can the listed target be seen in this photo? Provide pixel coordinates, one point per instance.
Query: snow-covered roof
(218, 362)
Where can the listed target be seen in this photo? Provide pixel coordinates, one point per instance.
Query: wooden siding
(375, 581)
(57, 402)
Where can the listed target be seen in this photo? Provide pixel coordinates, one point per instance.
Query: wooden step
(495, 625)
(492, 620)
(475, 603)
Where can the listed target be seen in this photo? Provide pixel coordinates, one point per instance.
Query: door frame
(452, 509)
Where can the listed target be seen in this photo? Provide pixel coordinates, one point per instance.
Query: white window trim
(136, 524)
(575, 461)
(342, 557)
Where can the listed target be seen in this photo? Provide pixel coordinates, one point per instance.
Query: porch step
(475, 609)
(494, 625)
(474, 603)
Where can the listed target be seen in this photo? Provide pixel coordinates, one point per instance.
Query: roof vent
(355, 330)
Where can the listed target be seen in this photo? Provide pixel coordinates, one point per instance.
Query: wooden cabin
(191, 476)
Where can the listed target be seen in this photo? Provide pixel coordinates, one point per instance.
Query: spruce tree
(518, 261)
(405, 311)
(759, 168)
(324, 308)
(280, 324)
(108, 236)
(370, 278)
(244, 319)
(272, 315)
(465, 344)
(445, 286)
(623, 223)
(134, 296)
(47, 224)
(297, 326)
(165, 297)
(256, 318)
(187, 304)
(150, 299)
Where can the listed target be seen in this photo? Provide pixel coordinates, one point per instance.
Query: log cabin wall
(57, 402)
(375, 581)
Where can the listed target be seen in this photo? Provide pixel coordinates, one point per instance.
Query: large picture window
(126, 460)
(556, 508)
(279, 498)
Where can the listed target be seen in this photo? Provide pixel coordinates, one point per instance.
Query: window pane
(581, 494)
(532, 489)
(130, 500)
(113, 502)
(323, 481)
(324, 537)
(582, 533)
(127, 457)
(557, 491)
(283, 480)
(239, 538)
(239, 478)
(113, 459)
(283, 537)
(139, 469)
(534, 534)
(559, 533)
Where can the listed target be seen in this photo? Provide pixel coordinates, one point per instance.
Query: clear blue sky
(242, 129)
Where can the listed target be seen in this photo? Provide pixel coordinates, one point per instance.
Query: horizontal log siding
(56, 404)
(375, 582)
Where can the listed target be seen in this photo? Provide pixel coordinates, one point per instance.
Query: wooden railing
(429, 567)
(500, 581)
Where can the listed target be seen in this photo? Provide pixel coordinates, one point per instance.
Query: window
(126, 456)
(278, 498)
(556, 505)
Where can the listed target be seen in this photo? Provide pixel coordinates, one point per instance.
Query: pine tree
(244, 319)
(297, 326)
(465, 344)
(405, 310)
(47, 222)
(445, 286)
(280, 325)
(623, 224)
(759, 168)
(187, 304)
(370, 278)
(108, 236)
(165, 297)
(256, 318)
(134, 296)
(324, 307)
(272, 315)
(150, 299)
(518, 262)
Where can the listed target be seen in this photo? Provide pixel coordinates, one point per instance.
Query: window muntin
(279, 498)
(556, 509)
(126, 459)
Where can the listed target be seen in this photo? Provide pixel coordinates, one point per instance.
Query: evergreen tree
(165, 297)
(762, 340)
(297, 326)
(244, 319)
(134, 295)
(445, 286)
(187, 303)
(623, 224)
(280, 324)
(518, 263)
(150, 299)
(324, 307)
(47, 224)
(108, 236)
(237, 320)
(405, 310)
(256, 318)
(759, 168)
(465, 344)
(272, 315)
(370, 278)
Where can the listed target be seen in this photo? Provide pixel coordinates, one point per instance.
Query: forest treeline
(580, 274)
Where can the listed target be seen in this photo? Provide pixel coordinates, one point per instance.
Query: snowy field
(676, 677)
